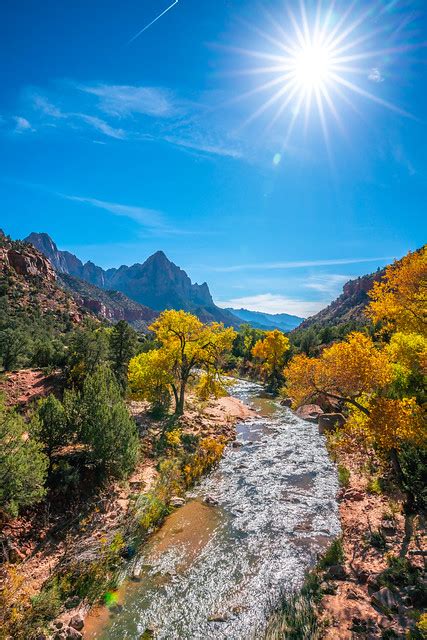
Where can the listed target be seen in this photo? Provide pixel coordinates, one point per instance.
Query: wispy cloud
(22, 125)
(125, 100)
(135, 113)
(328, 283)
(148, 217)
(102, 126)
(400, 156)
(274, 303)
(47, 108)
(204, 147)
(297, 264)
(375, 75)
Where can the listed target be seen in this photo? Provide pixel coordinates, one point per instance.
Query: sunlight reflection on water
(212, 572)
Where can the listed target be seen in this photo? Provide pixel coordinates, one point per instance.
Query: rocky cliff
(29, 282)
(66, 262)
(109, 305)
(349, 306)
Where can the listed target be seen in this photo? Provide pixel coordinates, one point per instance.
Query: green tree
(88, 350)
(43, 353)
(309, 340)
(51, 424)
(13, 345)
(123, 341)
(23, 465)
(105, 424)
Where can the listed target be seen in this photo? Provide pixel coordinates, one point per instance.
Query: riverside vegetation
(68, 452)
(376, 377)
(74, 445)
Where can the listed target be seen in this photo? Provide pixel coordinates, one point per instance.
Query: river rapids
(214, 569)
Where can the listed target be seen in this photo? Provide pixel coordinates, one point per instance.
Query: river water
(213, 572)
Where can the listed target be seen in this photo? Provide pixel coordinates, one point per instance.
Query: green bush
(413, 462)
(47, 604)
(23, 465)
(375, 486)
(377, 540)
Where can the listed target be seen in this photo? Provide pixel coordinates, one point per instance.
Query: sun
(312, 67)
(319, 61)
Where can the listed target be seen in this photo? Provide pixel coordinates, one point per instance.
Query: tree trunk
(179, 409)
(409, 496)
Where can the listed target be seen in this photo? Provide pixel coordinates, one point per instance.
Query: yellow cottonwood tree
(149, 377)
(345, 371)
(390, 423)
(408, 350)
(399, 300)
(271, 351)
(186, 344)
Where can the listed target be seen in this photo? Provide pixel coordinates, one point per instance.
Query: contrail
(152, 22)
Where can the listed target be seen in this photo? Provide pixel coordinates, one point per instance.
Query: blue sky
(119, 148)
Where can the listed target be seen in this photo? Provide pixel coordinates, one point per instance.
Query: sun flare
(312, 66)
(318, 61)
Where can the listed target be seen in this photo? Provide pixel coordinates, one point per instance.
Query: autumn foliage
(270, 351)
(186, 346)
(344, 371)
(399, 301)
(382, 380)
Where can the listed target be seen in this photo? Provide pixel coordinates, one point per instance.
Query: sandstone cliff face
(27, 263)
(349, 306)
(29, 281)
(66, 262)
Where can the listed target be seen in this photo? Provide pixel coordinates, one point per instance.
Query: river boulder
(310, 412)
(176, 501)
(77, 622)
(330, 421)
(286, 402)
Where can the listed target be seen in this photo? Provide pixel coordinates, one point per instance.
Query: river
(213, 571)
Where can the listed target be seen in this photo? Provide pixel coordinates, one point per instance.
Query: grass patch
(343, 476)
(375, 486)
(377, 540)
(334, 555)
(296, 618)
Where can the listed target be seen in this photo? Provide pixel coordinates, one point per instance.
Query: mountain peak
(159, 257)
(43, 239)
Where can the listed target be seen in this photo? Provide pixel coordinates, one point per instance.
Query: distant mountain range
(157, 283)
(138, 293)
(267, 321)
